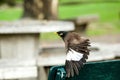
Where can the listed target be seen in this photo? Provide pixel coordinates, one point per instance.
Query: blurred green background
(108, 11)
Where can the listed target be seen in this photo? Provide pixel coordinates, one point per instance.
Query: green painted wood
(53, 72)
(103, 70)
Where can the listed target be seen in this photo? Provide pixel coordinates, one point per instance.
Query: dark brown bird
(77, 52)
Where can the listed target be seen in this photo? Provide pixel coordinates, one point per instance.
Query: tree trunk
(41, 9)
(50, 9)
(33, 9)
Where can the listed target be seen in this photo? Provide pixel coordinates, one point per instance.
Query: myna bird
(77, 52)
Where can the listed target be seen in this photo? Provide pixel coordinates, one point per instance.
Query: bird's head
(62, 34)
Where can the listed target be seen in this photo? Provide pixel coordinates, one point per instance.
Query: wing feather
(77, 53)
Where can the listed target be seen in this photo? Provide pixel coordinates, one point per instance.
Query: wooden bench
(19, 40)
(82, 22)
(55, 54)
(99, 51)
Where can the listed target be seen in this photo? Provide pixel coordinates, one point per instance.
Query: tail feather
(71, 68)
(75, 68)
(67, 68)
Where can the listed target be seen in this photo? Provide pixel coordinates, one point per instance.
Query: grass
(49, 36)
(108, 12)
(65, 1)
(10, 14)
(103, 28)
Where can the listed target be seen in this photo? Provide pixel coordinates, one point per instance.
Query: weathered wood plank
(19, 46)
(35, 26)
(86, 18)
(42, 75)
(18, 68)
(17, 62)
(28, 79)
(104, 52)
(18, 72)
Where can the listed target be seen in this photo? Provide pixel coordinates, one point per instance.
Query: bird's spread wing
(76, 57)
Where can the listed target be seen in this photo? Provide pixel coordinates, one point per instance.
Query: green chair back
(103, 70)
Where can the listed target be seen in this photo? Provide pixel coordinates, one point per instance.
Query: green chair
(103, 70)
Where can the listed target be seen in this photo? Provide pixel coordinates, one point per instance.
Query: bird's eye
(61, 34)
